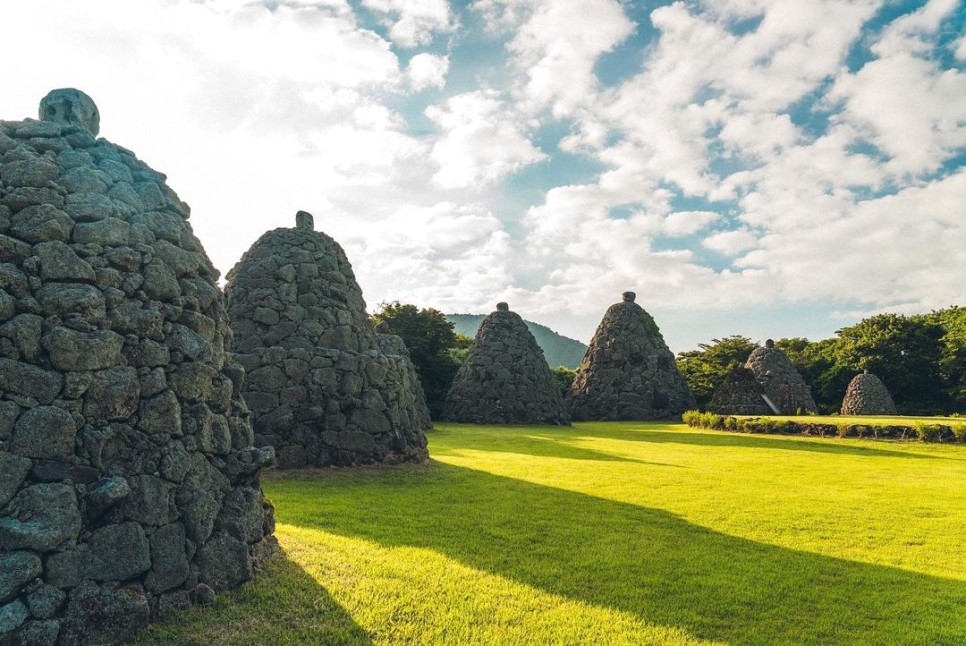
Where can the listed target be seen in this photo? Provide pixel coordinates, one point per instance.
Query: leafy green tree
(436, 350)
(707, 367)
(904, 352)
(952, 359)
(564, 377)
(816, 363)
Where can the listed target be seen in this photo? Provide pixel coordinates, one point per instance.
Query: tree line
(921, 358)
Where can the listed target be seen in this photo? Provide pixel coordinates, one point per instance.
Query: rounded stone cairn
(781, 382)
(867, 395)
(505, 379)
(393, 346)
(128, 479)
(740, 394)
(319, 389)
(628, 372)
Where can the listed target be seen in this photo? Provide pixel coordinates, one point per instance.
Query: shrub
(958, 431)
(691, 418)
(927, 432)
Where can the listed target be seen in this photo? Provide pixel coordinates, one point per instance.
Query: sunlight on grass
(613, 533)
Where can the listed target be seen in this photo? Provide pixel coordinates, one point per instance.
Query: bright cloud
(775, 154)
(482, 140)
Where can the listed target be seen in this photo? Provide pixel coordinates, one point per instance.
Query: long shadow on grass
(642, 432)
(283, 605)
(526, 440)
(643, 561)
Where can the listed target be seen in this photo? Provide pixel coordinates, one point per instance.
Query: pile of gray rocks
(781, 382)
(628, 372)
(867, 395)
(320, 390)
(740, 394)
(128, 476)
(394, 347)
(505, 379)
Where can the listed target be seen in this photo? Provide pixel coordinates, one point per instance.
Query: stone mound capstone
(628, 372)
(781, 382)
(867, 395)
(129, 483)
(740, 394)
(505, 379)
(320, 390)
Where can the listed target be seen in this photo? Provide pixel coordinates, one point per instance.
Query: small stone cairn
(128, 476)
(320, 390)
(628, 372)
(867, 395)
(781, 382)
(505, 379)
(740, 394)
(393, 346)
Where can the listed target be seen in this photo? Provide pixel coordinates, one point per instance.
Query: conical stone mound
(319, 389)
(393, 346)
(781, 382)
(628, 372)
(867, 395)
(505, 379)
(128, 477)
(740, 394)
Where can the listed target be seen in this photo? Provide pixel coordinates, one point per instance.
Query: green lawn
(613, 533)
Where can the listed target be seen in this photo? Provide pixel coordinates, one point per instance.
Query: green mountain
(558, 349)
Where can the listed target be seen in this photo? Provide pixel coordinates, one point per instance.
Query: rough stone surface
(740, 394)
(319, 389)
(122, 434)
(628, 372)
(505, 379)
(393, 346)
(781, 382)
(867, 395)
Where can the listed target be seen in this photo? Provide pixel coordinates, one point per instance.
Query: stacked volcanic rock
(867, 395)
(128, 479)
(319, 389)
(628, 371)
(781, 382)
(393, 346)
(740, 394)
(505, 379)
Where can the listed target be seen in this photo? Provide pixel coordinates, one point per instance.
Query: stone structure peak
(304, 221)
(71, 107)
(629, 297)
(502, 307)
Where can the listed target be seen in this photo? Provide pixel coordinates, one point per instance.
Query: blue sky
(769, 168)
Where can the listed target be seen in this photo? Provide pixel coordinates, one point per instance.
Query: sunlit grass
(613, 533)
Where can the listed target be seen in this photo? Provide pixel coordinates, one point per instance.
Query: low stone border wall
(914, 430)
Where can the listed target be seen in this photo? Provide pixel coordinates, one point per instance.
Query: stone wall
(505, 379)
(628, 372)
(780, 381)
(319, 389)
(867, 395)
(128, 477)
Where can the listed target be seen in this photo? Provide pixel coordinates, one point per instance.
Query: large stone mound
(628, 372)
(320, 390)
(393, 346)
(128, 478)
(867, 395)
(740, 394)
(782, 384)
(505, 379)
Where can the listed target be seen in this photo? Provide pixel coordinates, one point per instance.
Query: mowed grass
(613, 533)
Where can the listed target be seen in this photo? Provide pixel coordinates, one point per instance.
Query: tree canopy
(921, 359)
(435, 348)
